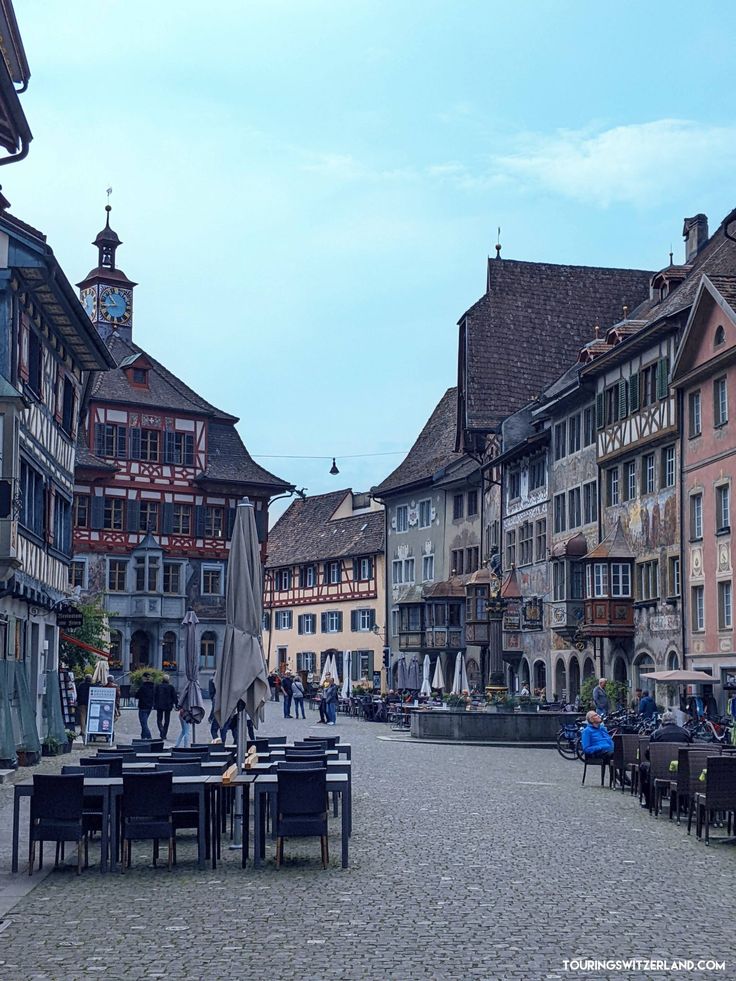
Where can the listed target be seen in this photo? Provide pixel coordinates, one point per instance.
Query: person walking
(297, 693)
(186, 731)
(164, 700)
(331, 702)
(647, 706)
(83, 703)
(286, 684)
(600, 698)
(145, 699)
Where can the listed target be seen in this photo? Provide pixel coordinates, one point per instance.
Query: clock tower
(106, 292)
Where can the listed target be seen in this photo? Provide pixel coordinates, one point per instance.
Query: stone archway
(574, 670)
(620, 670)
(540, 675)
(525, 677)
(560, 691)
(473, 671)
(673, 661)
(643, 666)
(588, 668)
(140, 650)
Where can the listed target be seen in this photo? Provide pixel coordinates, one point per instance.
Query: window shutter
(339, 621)
(266, 621)
(353, 620)
(188, 460)
(122, 442)
(326, 573)
(600, 418)
(356, 570)
(262, 524)
(634, 392)
(135, 443)
(622, 400)
(230, 522)
(199, 515)
(300, 624)
(167, 518)
(323, 622)
(169, 448)
(370, 568)
(133, 516)
(99, 439)
(663, 373)
(97, 514)
(372, 619)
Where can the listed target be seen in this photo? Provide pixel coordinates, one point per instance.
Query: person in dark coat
(286, 688)
(83, 702)
(145, 698)
(647, 706)
(668, 732)
(164, 700)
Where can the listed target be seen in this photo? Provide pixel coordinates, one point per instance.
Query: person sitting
(669, 731)
(597, 743)
(647, 706)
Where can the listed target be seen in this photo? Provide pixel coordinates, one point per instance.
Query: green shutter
(663, 374)
(623, 409)
(634, 392)
(600, 419)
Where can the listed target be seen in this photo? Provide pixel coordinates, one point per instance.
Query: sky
(308, 190)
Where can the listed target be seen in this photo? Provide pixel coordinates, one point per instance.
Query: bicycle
(569, 740)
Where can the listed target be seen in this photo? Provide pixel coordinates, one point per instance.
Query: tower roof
(107, 241)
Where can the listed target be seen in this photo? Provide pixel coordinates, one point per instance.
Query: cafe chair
(719, 794)
(146, 813)
(113, 763)
(57, 814)
(301, 808)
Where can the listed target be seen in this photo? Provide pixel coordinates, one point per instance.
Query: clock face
(115, 305)
(89, 302)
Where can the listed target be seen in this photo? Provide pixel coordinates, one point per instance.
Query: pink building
(705, 375)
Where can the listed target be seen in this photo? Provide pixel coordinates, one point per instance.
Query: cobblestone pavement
(466, 862)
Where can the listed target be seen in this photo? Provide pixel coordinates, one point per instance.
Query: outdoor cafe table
(265, 787)
(333, 766)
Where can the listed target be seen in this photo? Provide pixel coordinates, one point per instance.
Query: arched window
(720, 336)
(207, 650)
(168, 651)
(673, 661)
(116, 650)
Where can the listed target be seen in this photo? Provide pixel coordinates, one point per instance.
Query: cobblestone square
(465, 862)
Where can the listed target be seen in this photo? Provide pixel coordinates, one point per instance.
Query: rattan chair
(719, 795)
(660, 775)
(301, 808)
(57, 814)
(146, 813)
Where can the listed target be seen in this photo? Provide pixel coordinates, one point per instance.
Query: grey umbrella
(401, 674)
(412, 675)
(191, 700)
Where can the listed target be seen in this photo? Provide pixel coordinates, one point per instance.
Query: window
(720, 402)
(35, 362)
(648, 575)
(588, 426)
(212, 580)
(172, 578)
(179, 449)
(696, 517)
(675, 576)
(331, 622)
(698, 608)
(402, 517)
(611, 399)
(207, 650)
(363, 665)
(213, 522)
(472, 503)
(560, 439)
(576, 580)
(574, 510)
(116, 574)
(573, 433)
(720, 336)
(362, 620)
(408, 570)
(150, 445)
(514, 484)
(146, 574)
(649, 385)
(560, 523)
(620, 579)
(168, 650)
(668, 466)
(307, 623)
(78, 574)
(725, 616)
(111, 440)
(536, 473)
(305, 661)
(282, 580)
(510, 549)
(282, 620)
(540, 534)
(630, 485)
(334, 573)
(647, 474)
(458, 502)
(457, 562)
(308, 577)
(694, 414)
(81, 510)
(590, 502)
(397, 572)
(67, 407)
(600, 579)
(148, 520)
(558, 581)
(364, 569)
(427, 568)
(62, 525)
(112, 515)
(612, 486)
(139, 376)
(526, 537)
(182, 520)
(723, 508)
(425, 513)
(33, 500)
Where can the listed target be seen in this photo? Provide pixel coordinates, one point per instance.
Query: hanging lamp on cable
(333, 468)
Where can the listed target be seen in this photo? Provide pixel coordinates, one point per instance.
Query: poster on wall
(101, 714)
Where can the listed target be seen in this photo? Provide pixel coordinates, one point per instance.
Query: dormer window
(139, 376)
(720, 336)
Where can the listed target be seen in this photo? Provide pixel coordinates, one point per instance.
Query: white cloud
(639, 164)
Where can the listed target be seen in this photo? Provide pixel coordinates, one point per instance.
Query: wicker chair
(660, 775)
(625, 746)
(691, 761)
(720, 794)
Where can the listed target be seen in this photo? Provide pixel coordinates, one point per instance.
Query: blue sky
(307, 190)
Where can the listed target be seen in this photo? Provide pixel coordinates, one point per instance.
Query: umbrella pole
(237, 841)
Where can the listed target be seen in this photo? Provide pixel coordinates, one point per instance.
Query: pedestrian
(276, 685)
(597, 743)
(144, 697)
(164, 700)
(297, 693)
(185, 733)
(636, 699)
(112, 684)
(647, 705)
(286, 684)
(272, 686)
(83, 703)
(322, 705)
(600, 698)
(331, 702)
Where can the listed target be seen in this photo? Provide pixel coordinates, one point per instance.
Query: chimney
(695, 233)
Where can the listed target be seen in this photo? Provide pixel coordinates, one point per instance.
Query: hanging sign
(532, 614)
(101, 713)
(69, 619)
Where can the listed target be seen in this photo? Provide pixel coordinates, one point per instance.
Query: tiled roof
(613, 546)
(306, 533)
(530, 325)
(228, 461)
(433, 450)
(84, 458)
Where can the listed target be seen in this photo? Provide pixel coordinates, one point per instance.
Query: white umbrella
(325, 669)
(425, 689)
(438, 681)
(101, 672)
(333, 670)
(460, 681)
(346, 667)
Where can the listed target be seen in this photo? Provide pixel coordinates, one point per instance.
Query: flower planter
(27, 757)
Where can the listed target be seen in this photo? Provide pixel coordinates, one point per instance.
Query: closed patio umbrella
(101, 672)
(460, 681)
(191, 700)
(347, 661)
(438, 681)
(425, 689)
(334, 672)
(402, 674)
(412, 674)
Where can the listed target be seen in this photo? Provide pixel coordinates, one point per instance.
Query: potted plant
(26, 756)
(70, 737)
(50, 746)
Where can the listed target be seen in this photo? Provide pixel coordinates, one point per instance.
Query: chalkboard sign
(101, 713)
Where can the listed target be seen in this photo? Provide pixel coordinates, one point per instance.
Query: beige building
(324, 586)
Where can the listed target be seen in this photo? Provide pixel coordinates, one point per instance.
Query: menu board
(101, 712)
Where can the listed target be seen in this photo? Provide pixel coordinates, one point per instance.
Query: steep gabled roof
(530, 324)
(307, 533)
(228, 461)
(433, 450)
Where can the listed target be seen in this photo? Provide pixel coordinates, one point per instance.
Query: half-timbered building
(324, 585)
(159, 473)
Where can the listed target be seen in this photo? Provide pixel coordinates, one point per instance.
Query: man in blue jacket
(597, 744)
(647, 706)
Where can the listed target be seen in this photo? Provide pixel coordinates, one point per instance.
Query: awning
(85, 647)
